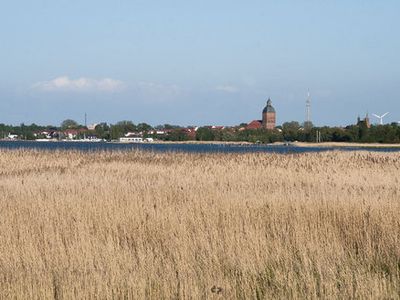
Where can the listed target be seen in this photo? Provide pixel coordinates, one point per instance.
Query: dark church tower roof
(269, 108)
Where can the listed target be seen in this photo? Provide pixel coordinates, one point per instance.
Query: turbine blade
(384, 114)
(376, 116)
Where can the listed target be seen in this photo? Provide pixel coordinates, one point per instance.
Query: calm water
(93, 146)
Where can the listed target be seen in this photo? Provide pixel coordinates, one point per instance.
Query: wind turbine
(380, 118)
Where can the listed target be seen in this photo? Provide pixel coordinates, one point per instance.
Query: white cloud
(227, 88)
(64, 83)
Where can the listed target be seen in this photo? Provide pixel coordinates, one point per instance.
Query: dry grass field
(142, 225)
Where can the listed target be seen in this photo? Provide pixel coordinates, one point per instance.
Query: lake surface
(171, 147)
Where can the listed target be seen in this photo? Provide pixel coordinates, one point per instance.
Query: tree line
(293, 131)
(287, 132)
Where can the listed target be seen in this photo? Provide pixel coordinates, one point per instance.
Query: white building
(131, 140)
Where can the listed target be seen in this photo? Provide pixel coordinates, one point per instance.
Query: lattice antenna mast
(308, 107)
(84, 135)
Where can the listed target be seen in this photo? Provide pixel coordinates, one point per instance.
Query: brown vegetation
(146, 225)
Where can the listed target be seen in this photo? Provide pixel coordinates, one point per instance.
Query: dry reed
(141, 225)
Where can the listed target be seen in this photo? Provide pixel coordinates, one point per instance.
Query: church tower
(269, 116)
(367, 123)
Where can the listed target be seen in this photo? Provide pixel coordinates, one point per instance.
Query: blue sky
(198, 62)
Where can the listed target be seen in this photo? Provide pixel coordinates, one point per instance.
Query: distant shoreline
(295, 144)
(345, 145)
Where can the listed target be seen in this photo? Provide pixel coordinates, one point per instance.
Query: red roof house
(255, 124)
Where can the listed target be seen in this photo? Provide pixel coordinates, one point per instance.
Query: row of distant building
(268, 122)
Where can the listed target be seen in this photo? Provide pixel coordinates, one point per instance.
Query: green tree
(290, 130)
(204, 134)
(168, 126)
(116, 132)
(126, 126)
(143, 127)
(68, 124)
(177, 135)
(102, 131)
(307, 125)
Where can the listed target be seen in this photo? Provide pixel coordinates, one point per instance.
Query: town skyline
(198, 63)
(85, 120)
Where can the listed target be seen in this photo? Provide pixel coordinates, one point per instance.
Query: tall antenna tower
(84, 134)
(308, 108)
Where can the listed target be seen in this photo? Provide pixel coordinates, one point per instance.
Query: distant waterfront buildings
(268, 118)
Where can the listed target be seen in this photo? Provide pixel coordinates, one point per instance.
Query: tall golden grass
(141, 225)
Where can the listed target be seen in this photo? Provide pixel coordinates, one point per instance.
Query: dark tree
(68, 124)
(204, 134)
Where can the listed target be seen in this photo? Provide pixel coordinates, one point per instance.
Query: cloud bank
(83, 84)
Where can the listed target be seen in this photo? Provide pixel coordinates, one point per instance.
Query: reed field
(144, 225)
